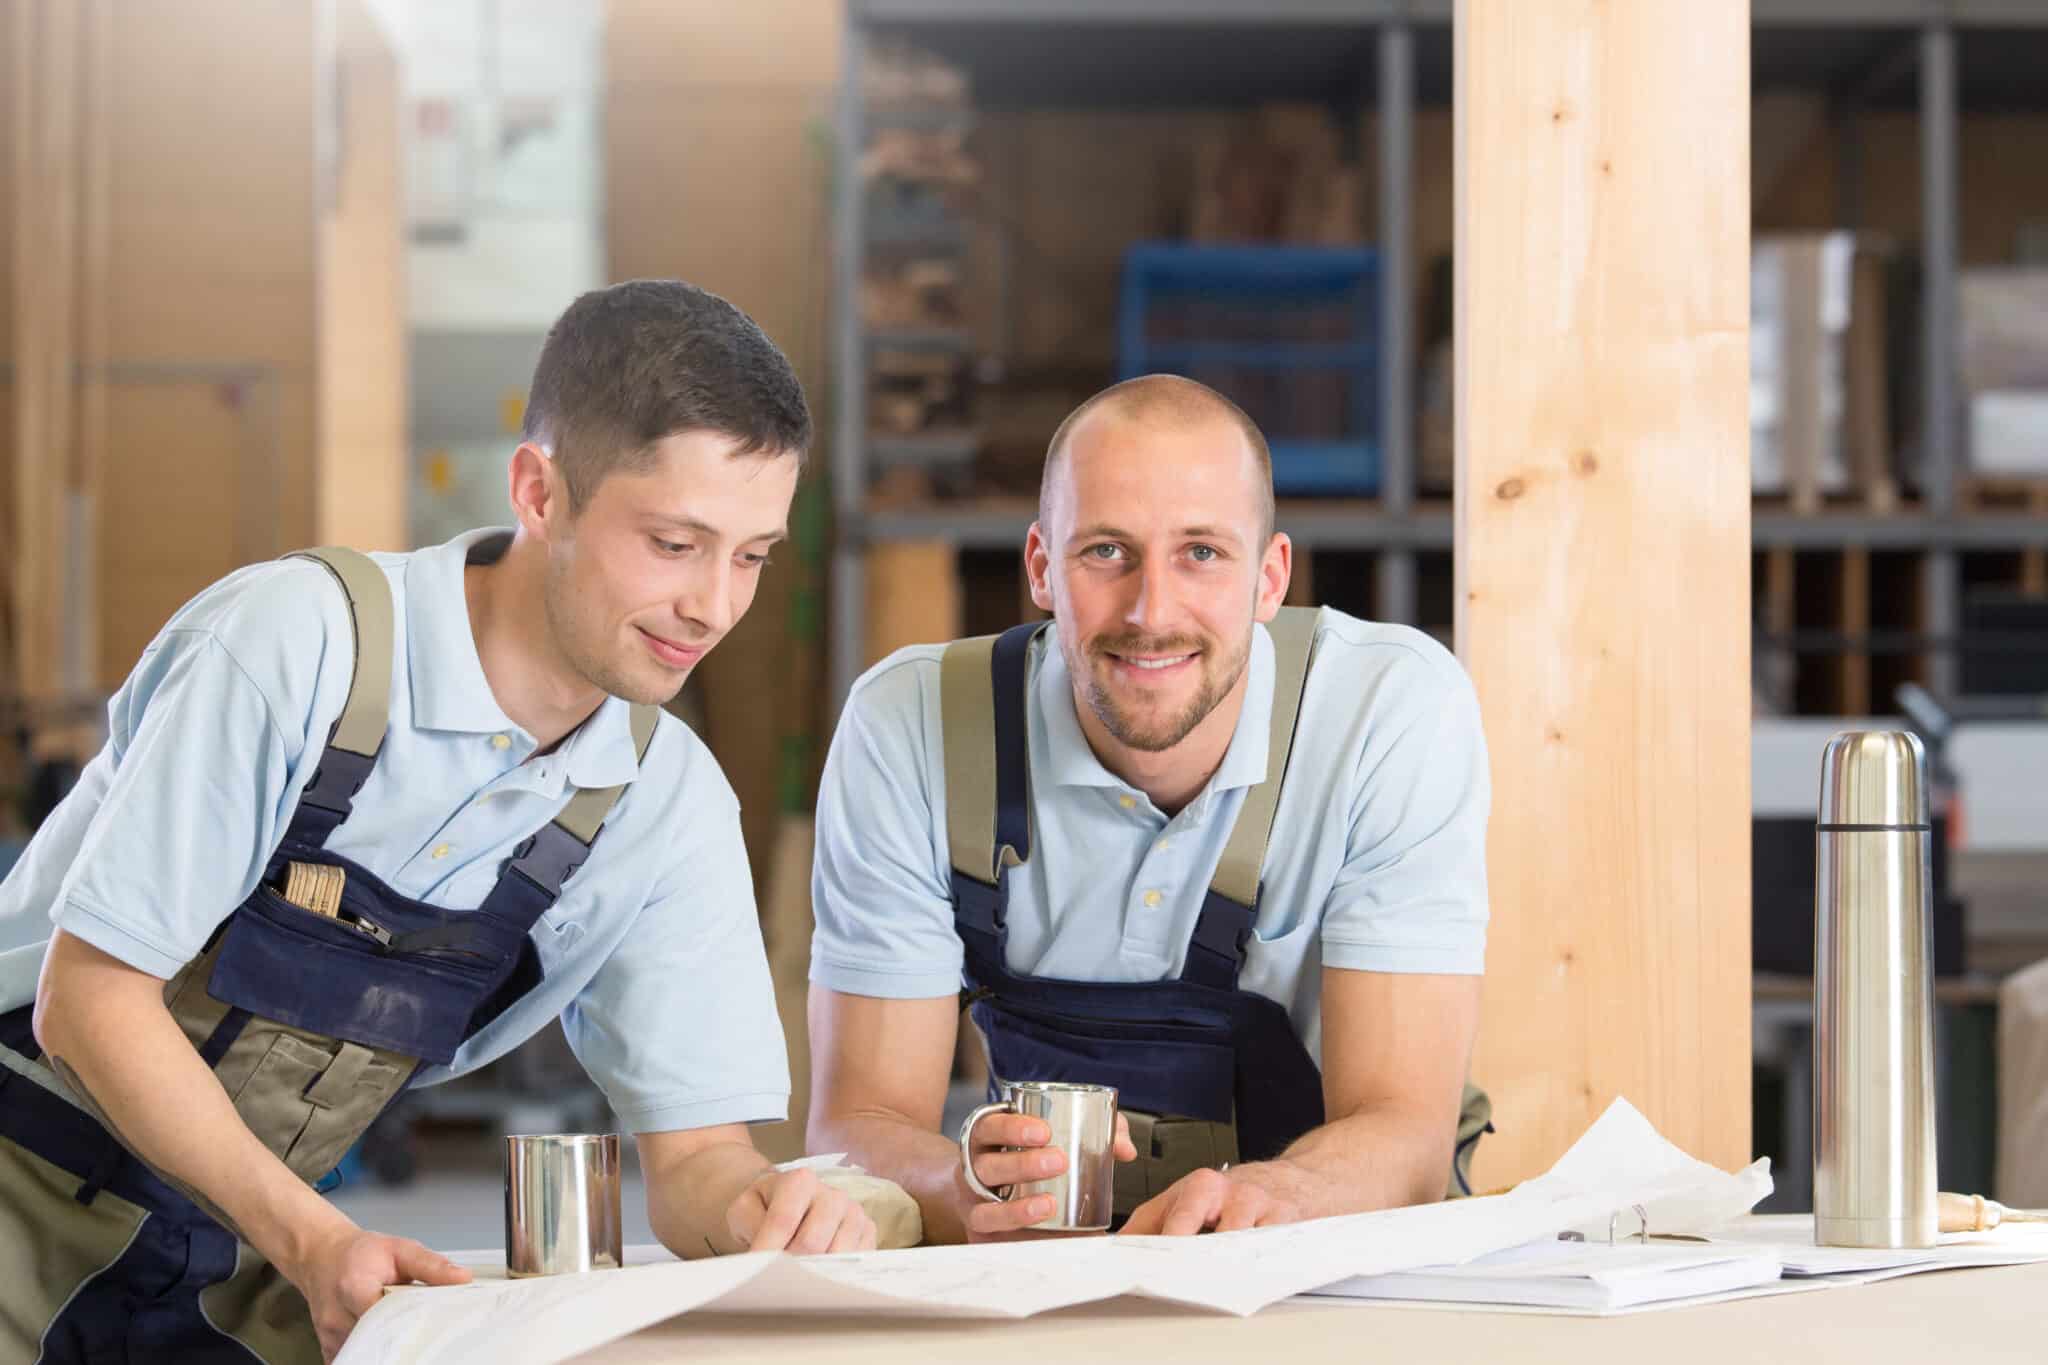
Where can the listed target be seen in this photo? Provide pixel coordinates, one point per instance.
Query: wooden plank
(214, 246)
(1779, 618)
(361, 450)
(45, 179)
(913, 596)
(95, 342)
(1602, 164)
(2033, 559)
(196, 436)
(1855, 626)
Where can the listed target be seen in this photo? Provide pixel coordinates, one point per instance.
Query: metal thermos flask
(1873, 996)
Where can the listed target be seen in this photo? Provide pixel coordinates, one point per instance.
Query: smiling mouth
(1143, 670)
(669, 651)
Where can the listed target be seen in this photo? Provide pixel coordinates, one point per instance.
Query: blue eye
(1203, 554)
(1109, 551)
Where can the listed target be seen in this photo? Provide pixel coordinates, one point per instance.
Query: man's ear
(540, 496)
(1038, 568)
(1276, 568)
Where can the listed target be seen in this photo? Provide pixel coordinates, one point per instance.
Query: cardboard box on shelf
(1819, 422)
(2009, 433)
(2002, 328)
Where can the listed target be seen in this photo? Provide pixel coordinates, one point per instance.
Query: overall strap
(987, 758)
(1230, 907)
(531, 879)
(358, 733)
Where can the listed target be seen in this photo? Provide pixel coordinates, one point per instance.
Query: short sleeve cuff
(765, 1106)
(914, 984)
(1418, 959)
(94, 926)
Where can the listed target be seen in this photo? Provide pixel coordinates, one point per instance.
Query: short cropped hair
(1166, 398)
(627, 366)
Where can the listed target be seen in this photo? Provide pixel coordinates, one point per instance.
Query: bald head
(1168, 403)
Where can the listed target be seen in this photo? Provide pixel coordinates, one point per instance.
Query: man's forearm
(687, 1199)
(1378, 1159)
(136, 1066)
(921, 1161)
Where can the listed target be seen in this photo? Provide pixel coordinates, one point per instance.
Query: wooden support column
(360, 441)
(1603, 559)
(43, 80)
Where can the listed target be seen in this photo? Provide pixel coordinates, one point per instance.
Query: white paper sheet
(1620, 1161)
(1557, 1274)
(1790, 1235)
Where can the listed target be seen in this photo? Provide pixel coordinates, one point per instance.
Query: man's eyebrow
(1102, 530)
(706, 529)
(1210, 533)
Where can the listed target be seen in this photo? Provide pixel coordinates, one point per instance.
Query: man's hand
(794, 1211)
(996, 1167)
(344, 1275)
(1254, 1196)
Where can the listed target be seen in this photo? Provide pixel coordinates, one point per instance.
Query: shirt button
(1151, 900)
(1127, 801)
(440, 850)
(1163, 844)
(501, 741)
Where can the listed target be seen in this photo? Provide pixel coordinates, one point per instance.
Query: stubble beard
(1133, 731)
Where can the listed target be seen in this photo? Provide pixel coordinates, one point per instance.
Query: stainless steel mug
(562, 1204)
(1083, 1123)
(1873, 996)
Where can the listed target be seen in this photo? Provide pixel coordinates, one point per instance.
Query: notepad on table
(1591, 1276)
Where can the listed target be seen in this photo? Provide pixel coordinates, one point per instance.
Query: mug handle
(967, 1149)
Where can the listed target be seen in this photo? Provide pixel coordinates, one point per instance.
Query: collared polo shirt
(653, 954)
(1377, 860)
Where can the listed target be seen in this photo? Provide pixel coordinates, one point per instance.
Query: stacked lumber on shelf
(903, 75)
(1278, 176)
(921, 292)
(917, 168)
(917, 392)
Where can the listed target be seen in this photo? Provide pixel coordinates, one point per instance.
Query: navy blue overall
(1207, 1071)
(337, 1011)
(1193, 1047)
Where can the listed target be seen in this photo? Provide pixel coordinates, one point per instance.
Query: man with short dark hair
(344, 839)
(1225, 856)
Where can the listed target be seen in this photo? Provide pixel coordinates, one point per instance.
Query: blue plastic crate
(1288, 333)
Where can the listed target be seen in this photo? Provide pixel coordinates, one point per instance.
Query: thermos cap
(1873, 778)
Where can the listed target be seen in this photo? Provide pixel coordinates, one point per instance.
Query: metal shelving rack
(1924, 36)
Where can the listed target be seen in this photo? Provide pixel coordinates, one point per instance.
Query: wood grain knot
(1510, 489)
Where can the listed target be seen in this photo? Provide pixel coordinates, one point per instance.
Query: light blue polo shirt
(653, 954)
(1377, 861)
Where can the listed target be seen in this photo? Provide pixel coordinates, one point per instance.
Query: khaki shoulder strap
(1244, 857)
(587, 809)
(967, 723)
(366, 712)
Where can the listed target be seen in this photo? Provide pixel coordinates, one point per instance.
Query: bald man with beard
(1239, 873)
